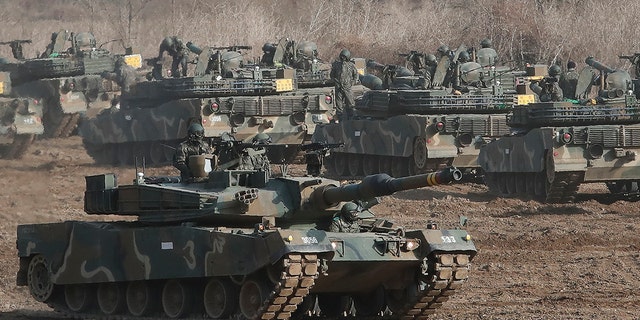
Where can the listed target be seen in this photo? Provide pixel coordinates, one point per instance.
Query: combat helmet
(345, 55)
(261, 138)
(555, 70)
(350, 211)
(485, 43)
(195, 132)
(464, 56)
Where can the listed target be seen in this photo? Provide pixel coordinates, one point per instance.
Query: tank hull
(20, 124)
(86, 259)
(408, 144)
(540, 163)
(119, 136)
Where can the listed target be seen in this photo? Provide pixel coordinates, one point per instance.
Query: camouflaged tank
(414, 123)
(237, 243)
(225, 95)
(67, 81)
(20, 121)
(556, 146)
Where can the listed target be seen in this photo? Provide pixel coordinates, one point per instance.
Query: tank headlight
(467, 237)
(439, 126)
(411, 244)
(214, 107)
(328, 99)
(289, 238)
(566, 137)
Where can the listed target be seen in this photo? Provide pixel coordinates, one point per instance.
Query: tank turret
(239, 191)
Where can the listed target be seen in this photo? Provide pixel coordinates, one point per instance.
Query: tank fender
(522, 153)
(49, 240)
(437, 240)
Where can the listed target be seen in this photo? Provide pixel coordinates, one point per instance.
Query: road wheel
(175, 298)
(253, 294)
(111, 298)
(78, 297)
(39, 279)
(220, 298)
(139, 298)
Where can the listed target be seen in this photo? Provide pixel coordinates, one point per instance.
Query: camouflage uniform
(347, 219)
(339, 224)
(175, 48)
(569, 81)
(487, 56)
(344, 75)
(548, 90)
(193, 146)
(124, 76)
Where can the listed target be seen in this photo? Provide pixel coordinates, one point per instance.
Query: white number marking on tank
(357, 133)
(309, 240)
(166, 245)
(29, 121)
(448, 239)
(215, 118)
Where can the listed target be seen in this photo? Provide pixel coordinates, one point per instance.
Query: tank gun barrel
(598, 65)
(383, 184)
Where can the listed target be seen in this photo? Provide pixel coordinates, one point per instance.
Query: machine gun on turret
(16, 47)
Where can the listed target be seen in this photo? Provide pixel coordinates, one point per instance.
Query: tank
(412, 125)
(245, 100)
(20, 121)
(554, 147)
(67, 81)
(239, 243)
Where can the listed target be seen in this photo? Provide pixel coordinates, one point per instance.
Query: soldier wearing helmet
(487, 56)
(193, 145)
(268, 53)
(255, 157)
(548, 89)
(569, 81)
(176, 49)
(347, 219)
(125, 75)
(344, 75)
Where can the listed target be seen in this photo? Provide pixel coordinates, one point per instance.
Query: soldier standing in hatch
(347, 220)
(344, 75)
(176, 49)
(569, 81)
(193, 146)
(487, 56)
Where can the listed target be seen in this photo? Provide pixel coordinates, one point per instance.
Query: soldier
(268, 52)
(255, 158)
(344, 75)
(487, 56)
(124, 75)
(443, 51)
(194, 145)
(347, 219)
(569, 81)
(176, 49)
(49, 50)
(549, 89)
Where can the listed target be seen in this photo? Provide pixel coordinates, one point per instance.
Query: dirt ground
(534, 261)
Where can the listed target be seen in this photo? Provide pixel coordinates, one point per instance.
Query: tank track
(296, 280)
(562, 189)
(450, 271)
